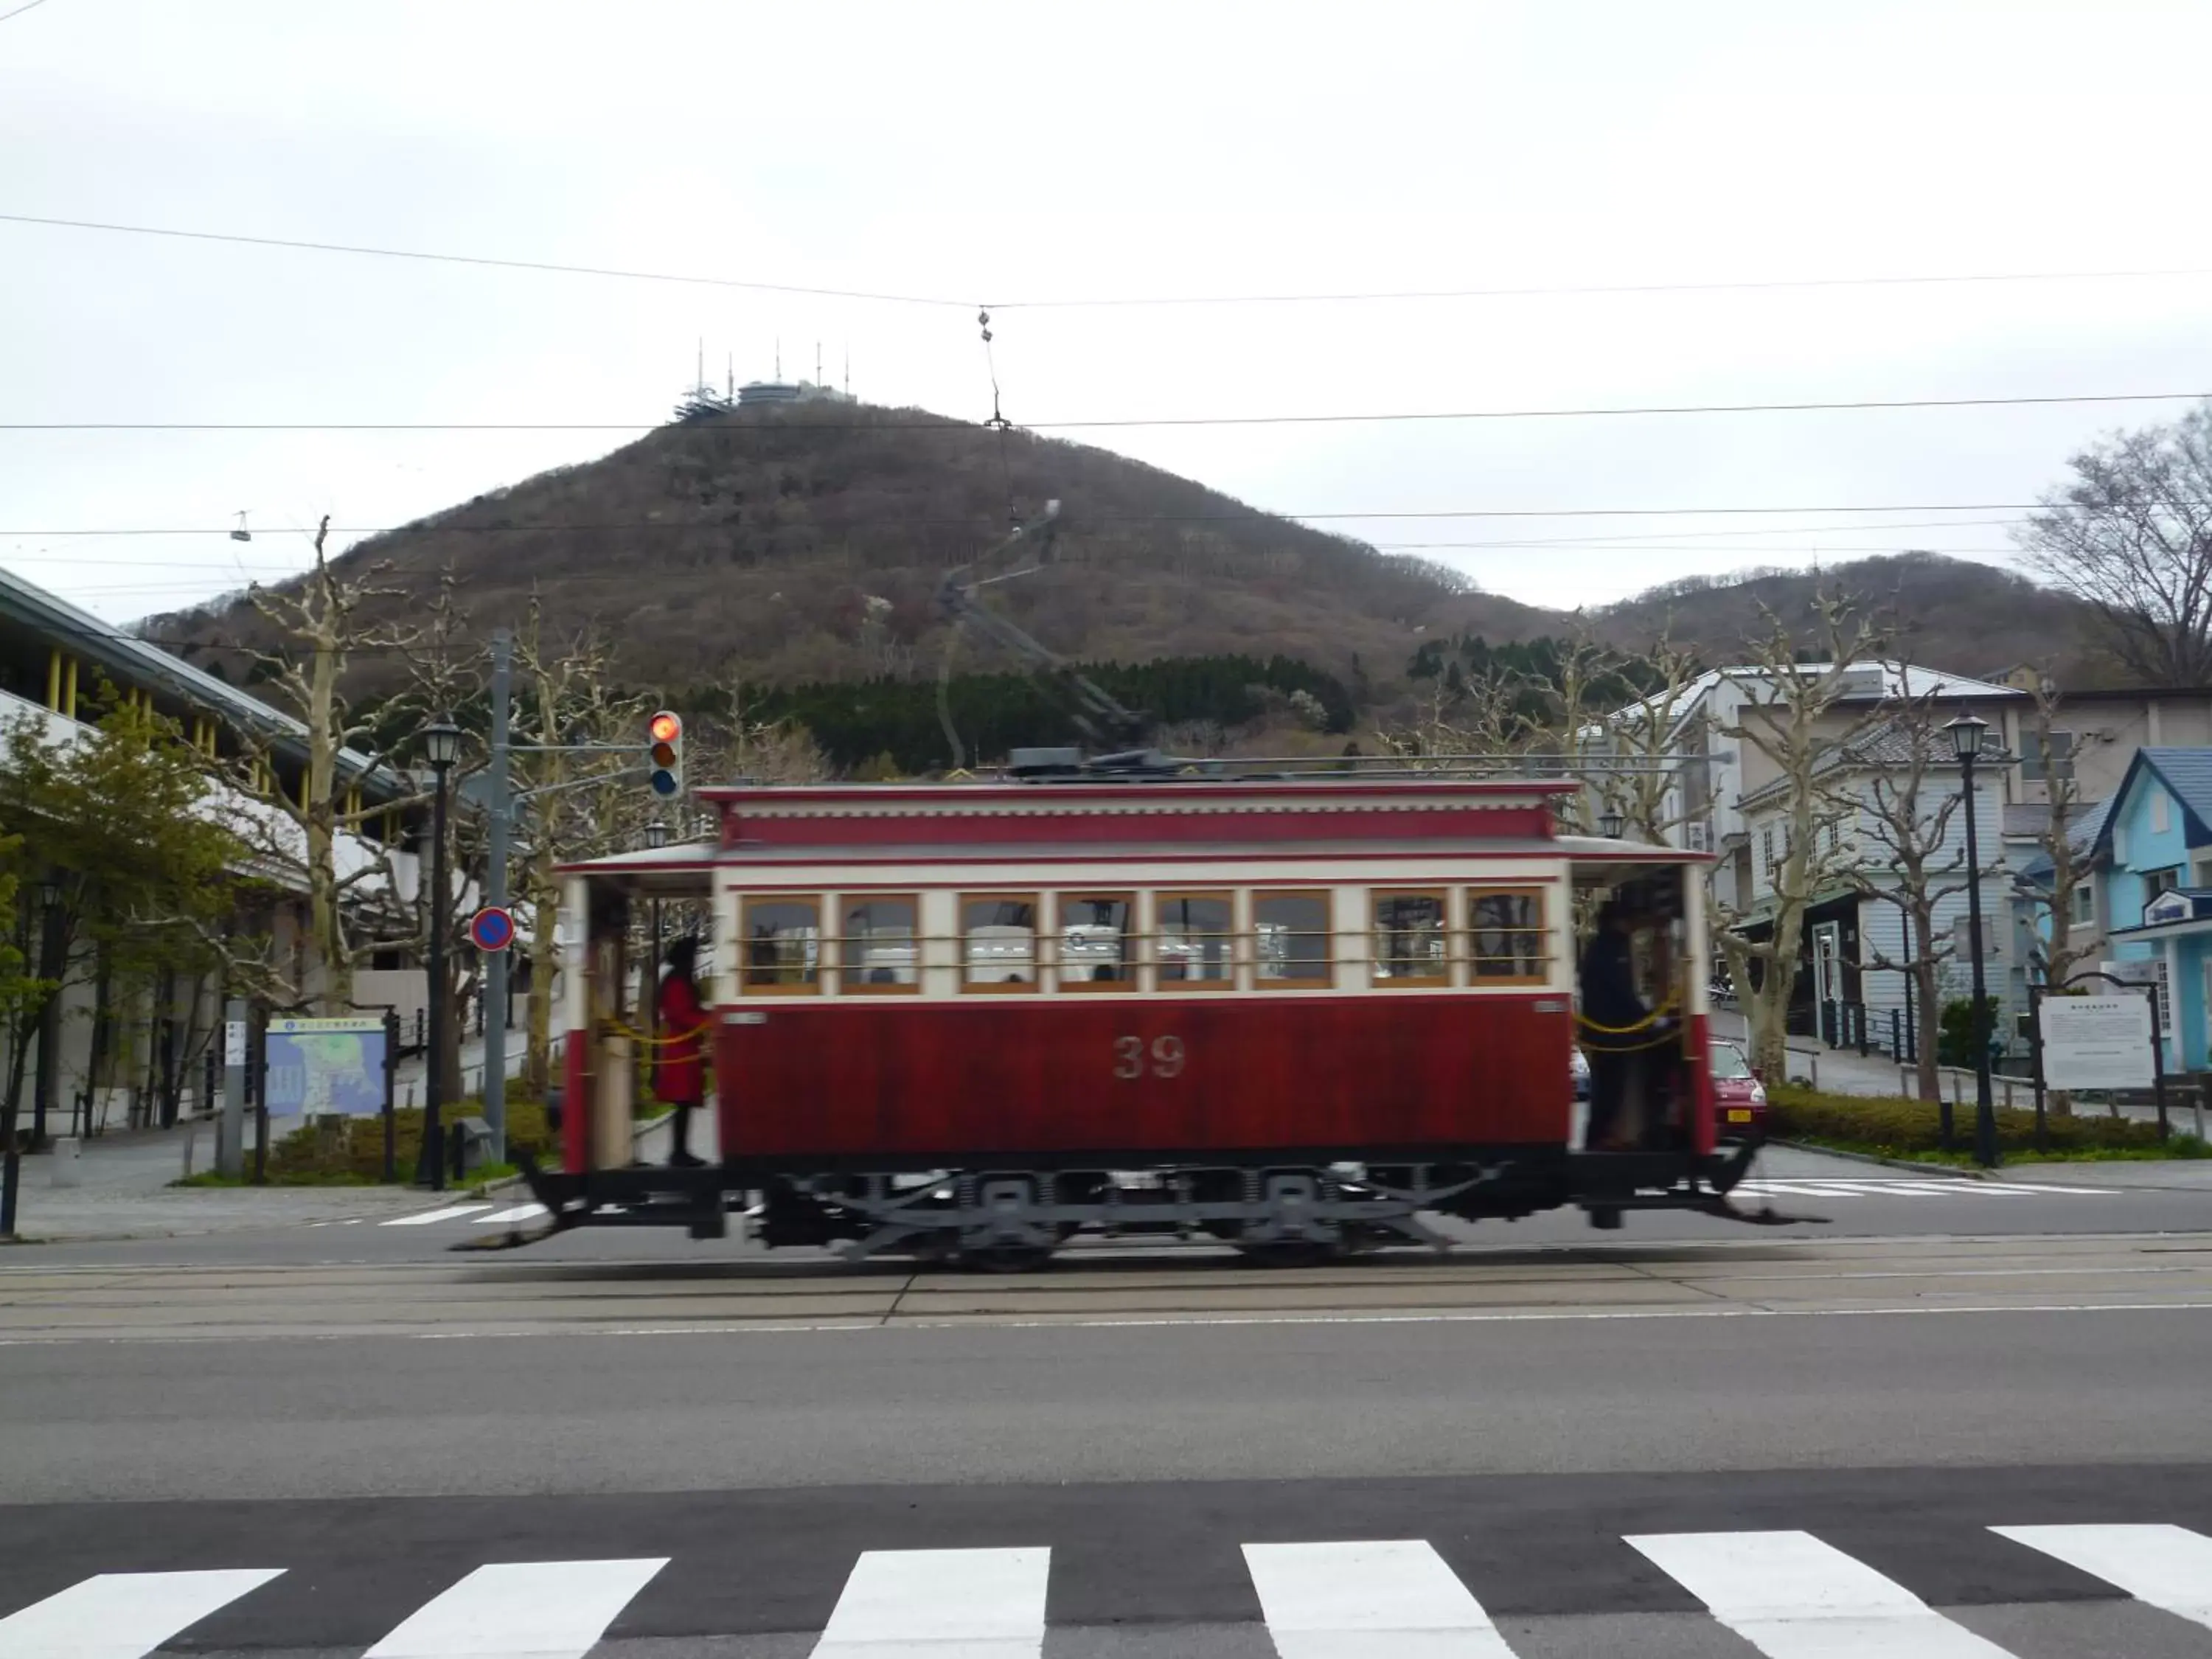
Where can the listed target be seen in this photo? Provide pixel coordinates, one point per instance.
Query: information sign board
(325, 1066)
(2097, 1042)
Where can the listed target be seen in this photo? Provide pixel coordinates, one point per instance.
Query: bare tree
(1787, 720)
(1648, 784)
(2056, 838)
(295, 839)
(2133, 536)
(1894, 782)
(566, 696)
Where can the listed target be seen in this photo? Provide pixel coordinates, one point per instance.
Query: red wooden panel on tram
(1106, 1073)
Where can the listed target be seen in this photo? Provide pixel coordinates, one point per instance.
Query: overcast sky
(1051, 151)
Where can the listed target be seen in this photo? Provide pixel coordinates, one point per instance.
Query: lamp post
(50, 894)
(656, 836)
(442, 746)
(1608, 824)
(1968, 732)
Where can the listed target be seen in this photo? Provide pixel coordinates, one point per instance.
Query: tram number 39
(1132, 1058)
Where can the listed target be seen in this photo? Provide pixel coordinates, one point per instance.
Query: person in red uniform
(679, 1063)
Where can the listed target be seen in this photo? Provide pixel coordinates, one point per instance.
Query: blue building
(2155, 876)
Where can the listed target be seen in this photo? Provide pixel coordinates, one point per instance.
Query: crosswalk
(1904, 1187)
(1787, 1594)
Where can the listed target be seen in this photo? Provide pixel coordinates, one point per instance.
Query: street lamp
(1608, 824)
(442, 746)
(1967, 735)
(52, 891)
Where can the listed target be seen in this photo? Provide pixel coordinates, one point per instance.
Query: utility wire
(1123, 301)
(998, 424)
(1254, 516)
(20, 10)
(542, 266)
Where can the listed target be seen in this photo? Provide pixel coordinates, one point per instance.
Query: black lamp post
(1608, 824)
(50, 894)
(1967, 733)
(442, 746)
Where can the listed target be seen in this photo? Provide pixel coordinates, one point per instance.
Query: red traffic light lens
(664, 753)
(666, 729)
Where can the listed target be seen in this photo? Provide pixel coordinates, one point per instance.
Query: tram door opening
(611, 1078)
(1641, 1036)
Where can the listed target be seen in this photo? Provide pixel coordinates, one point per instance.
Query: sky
(1761, 173)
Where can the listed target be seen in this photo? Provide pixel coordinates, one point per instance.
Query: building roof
(1867, 679)
(144, 664)
(2187, 775)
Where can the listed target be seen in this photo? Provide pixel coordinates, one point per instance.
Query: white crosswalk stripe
(1788, 1594)
(123, 1615)
(2169, 1567)
(1904, 1187)
(1792, 1596)
(427, 1217)
(1364, 1601)
(507, 1218)
(941, 1604)
(525, 1610)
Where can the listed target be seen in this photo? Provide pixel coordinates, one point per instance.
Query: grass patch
(339, 1151)
(1891, 1127)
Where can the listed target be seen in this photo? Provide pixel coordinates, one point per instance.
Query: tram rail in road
(512, 1297)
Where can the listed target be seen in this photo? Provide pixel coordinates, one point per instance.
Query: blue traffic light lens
(664, 783)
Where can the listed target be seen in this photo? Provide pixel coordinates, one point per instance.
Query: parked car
(1738, 1098)
(1578, 1069)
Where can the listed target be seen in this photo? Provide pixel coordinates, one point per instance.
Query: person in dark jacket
(679, 1063)
(1609, 1005)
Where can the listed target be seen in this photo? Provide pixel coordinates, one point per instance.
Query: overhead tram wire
(1115, 301)
(637, 526)
(999, 424)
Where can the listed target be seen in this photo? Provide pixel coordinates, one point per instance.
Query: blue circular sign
(492, 928)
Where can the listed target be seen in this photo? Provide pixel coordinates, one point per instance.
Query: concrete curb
(1887, 1163)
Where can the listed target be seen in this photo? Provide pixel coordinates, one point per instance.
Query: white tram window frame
(850, 978)
(963, 964)
(1537, 894)
(810, 983)
(1226, 898)
(1074, 977)
(1326, 980)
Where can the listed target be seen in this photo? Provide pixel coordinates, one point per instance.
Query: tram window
(1293, 941)
(1195, 942)
(998, 942)
(1409, 938)
(781, 945)
(877, 950)
(1505, 928)
(1094, 953)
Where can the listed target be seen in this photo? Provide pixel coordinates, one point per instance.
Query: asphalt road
(341, 1443)
(1827, 1196)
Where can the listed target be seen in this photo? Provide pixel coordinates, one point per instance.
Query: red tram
(967, 1021)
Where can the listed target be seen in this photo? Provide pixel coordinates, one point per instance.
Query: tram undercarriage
(1013, 1219)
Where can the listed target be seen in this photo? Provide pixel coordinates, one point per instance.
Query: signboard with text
(325, 1065)
(2097, 1042)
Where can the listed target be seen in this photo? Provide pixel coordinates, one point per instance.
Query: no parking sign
(492, 928)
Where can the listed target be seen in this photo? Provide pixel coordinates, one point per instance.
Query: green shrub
(1954, 1042)
(1895, 1127)
(353, 1147)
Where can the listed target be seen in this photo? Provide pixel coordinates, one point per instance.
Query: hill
(1957, 614)
(798, 549)
(806, 542)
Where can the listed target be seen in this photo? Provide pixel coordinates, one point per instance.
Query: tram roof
(687, 869)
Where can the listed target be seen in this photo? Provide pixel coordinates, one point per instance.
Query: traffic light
(664, 759)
